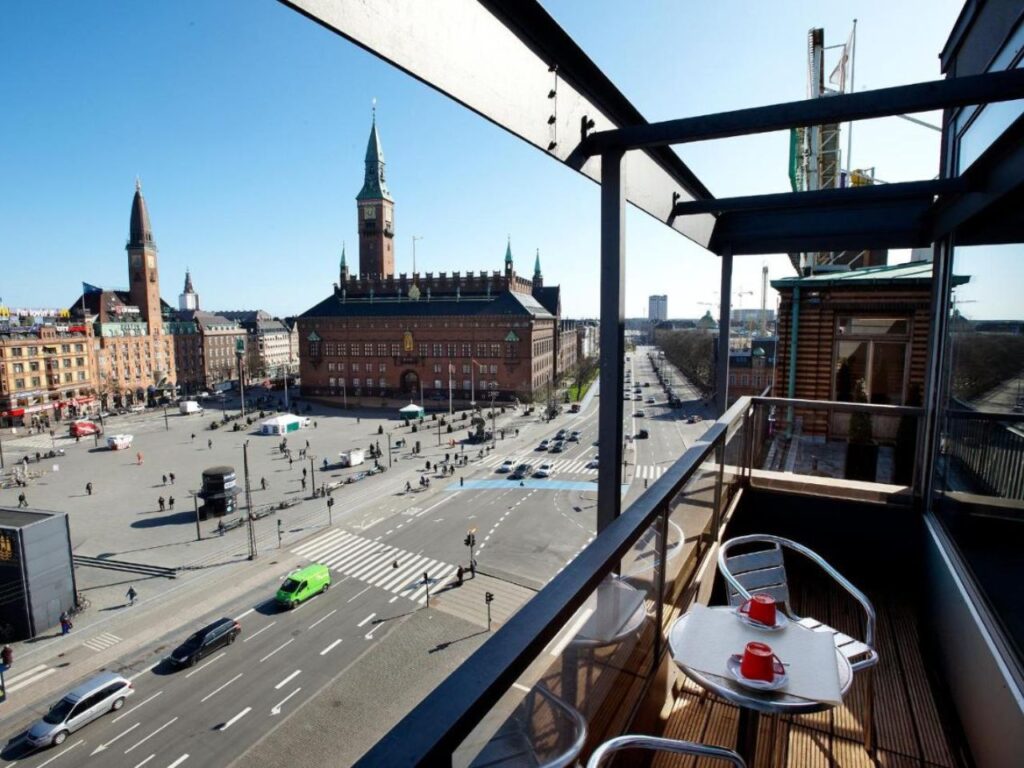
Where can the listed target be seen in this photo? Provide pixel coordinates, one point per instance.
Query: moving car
(544, 470)
(83, 428)
(643, 434)
(521, 472)
(208, 639)
(574, 436)
(593, 463)
(103, 693)
(506, 466)
(304, 584)
(543, 445)
(355, 478)
(558, 446)
(650, 401)
(638, 397)
(640, 413)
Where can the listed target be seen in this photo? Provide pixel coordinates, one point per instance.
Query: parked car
(638, 397)
(208, 639)
(650, 401)
(561, 434)
(103, 693)
(84, 428)
(640, 413)
(304, 584)
(506, 466)
(355, 478)
(544, 470)
(642, 434)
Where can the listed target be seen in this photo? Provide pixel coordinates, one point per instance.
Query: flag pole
(849, 130)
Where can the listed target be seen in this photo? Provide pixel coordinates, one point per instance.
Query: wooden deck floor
(909, 729)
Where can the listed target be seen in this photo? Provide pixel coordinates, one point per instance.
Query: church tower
(188, 299)
(143, 277)
(375, 209)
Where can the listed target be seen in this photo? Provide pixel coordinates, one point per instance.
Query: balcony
(588, 658)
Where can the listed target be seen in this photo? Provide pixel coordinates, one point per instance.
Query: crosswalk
(374, 563)
(102, 641)
(649, 472)
(24, 679)
(558, 466)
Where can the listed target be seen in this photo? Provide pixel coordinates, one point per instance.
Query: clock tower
(376, 215)
(143, 277)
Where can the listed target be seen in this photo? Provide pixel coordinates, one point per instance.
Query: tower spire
(343, 268)
(536, 266)
(374, 185)
(508, 251)
(140, 232)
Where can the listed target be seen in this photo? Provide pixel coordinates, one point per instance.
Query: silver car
(103, 693)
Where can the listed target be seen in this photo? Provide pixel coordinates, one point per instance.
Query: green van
(303, 584)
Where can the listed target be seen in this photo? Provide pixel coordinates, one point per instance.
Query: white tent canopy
(411, 411)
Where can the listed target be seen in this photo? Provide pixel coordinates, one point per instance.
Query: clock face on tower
(150, 261)
(369, 212)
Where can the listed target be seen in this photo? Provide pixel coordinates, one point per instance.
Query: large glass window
(871, 360)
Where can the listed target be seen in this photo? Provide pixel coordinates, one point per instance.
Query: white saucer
(780, 621)
(733, 665)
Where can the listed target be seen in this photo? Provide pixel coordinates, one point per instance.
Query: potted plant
(861, 449)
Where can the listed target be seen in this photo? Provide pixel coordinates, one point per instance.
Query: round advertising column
(220, 487)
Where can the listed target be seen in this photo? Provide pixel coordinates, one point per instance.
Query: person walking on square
(170, 503)
(138, 458)
(131, 594)
(65, 623)
(165, 479)
(193, 437)
(162, 502)
(22, 501)
(209, 444)
(88, 488)
(263, 483)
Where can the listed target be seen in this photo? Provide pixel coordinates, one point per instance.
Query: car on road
(647, 383)
(638, 397)
(561, 434)
(103, 693)
(304, 584)
(593, 463)
(574, 436)
(139, 408)
(557, 447)
(544, 470)
(522, 471)
(693, 418)
(208, 639)
(650, 401)
(355, 478)
(641, 413)
(83, 428)
(544, 445)
(642, 434)
(506, 466)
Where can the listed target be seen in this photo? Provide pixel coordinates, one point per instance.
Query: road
(382, 544)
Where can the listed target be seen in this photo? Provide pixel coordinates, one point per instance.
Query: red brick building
(421, 336)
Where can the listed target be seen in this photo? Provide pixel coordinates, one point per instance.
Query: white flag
(838, 76)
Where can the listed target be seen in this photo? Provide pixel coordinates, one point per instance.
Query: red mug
(761, 608)
(759, 663)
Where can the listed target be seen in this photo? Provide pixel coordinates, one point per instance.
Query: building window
(19, 383)
(872, 358)
(341, 381)
(342, 350)
(16, 351)
(382, 350)
(330, 366)
(495, 350)
(465, 368)
(481, 350)
(437, 384)
(494, 368)
(314, 349)
(329, 348)
(355, 382)
(394, 350)
(332, 382)
(35, 381)
(438, 350)
(437, 367)
(382, 368)
(467, 350)
(423, 350)
(453, 350)
(19, 367)
(382, 382)
(467, 385)
(80, 362)
(368, 350)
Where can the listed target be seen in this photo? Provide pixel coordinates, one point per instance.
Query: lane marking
(287, 642)
(60, 754)
(204, 666)
(231, 722)
(218, 690)
(254, 634)
(29, 680)
(139, 765)
(355, 596)
(323, 618)
(179, 761)
(154, 733)
(361, 623)
(121, 735)
(241, 616)
(144, 701)
(290, 677)
(141, 672)
(276, 709)
(330, 647)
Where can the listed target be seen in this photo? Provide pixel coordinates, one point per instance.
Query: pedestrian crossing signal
(488, 596)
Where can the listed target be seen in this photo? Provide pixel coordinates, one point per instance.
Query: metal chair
(662, 745)
(761, 568)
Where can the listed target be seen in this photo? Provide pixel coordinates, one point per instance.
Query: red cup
(759, 663)
(761, 608)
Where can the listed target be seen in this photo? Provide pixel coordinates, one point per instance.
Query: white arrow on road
(101, 747)
(276, 709)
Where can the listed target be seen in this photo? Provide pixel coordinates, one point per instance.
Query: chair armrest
(662, 745)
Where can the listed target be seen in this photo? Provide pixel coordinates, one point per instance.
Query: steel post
(724, 314)
(611, 365)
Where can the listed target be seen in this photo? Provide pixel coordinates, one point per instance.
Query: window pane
(888, 365)
(851, 371)
(872, 326)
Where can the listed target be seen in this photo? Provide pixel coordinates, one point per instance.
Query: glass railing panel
(827, 444)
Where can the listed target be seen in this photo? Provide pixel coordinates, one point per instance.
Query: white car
(593, 463)
(640, 413)
(506, 466)
(544, 470)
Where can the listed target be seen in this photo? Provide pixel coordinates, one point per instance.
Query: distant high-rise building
(657, 308)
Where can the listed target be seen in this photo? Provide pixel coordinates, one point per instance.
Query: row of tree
(692, 352)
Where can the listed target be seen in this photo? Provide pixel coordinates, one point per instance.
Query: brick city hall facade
(382, 335)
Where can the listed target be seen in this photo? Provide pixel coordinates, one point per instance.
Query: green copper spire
(536, 266)
(343, 264)
(508, 252)
(374, 186)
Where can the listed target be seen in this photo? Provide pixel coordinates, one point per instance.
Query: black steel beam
(884, 102)
(835, 197)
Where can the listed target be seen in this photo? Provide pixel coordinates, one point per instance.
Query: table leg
(746, 735)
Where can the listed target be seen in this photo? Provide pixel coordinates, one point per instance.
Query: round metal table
(753, 702)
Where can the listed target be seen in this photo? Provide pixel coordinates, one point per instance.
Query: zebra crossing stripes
(374, 563)
(102, 641)
(562, 466)
(26, 678)
(649, 472)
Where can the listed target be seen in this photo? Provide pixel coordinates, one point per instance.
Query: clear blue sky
(247, 124)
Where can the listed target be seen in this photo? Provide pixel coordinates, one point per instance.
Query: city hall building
(420, 336)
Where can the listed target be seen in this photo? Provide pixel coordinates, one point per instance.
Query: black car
(521, 472)
(208, 639)
(643, 434)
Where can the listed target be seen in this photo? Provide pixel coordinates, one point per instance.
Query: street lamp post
(389, 449)
(330, 506)
(167, 424)
(195, 503)
(494, 421)
(248, 502)
(312, 473)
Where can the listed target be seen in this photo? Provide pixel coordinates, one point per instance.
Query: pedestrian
(303, 483)
(462, 482)
(165, 479)
(209, 444)
(88, 488)
(290, 462)
(645, 482)
(65, 623)
(357, 419)
(22, 501)
(131, 594)
(38, 457)
(458, 575)
(138, 458)
(171, 476)
(263, 483)
(170, 503)
(314, 425)
(193, 437)
(220, 527)
(472, 568)
(163, 503)
(307, 444)
(303, 473)
(7, 657)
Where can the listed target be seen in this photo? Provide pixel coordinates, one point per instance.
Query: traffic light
(470, 540)
(488, 596)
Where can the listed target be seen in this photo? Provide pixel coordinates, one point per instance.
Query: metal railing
(989, 448)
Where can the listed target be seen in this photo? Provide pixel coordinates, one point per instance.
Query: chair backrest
(760, 571)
